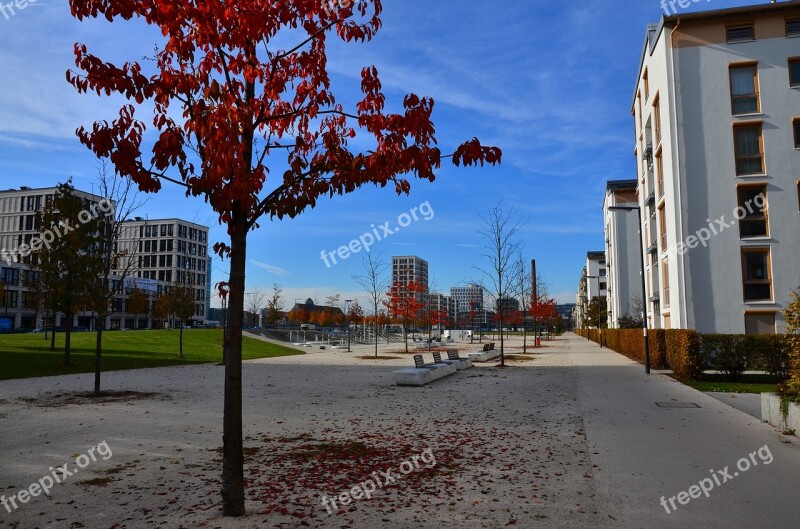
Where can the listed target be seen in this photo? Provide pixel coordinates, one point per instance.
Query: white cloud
(270, 268)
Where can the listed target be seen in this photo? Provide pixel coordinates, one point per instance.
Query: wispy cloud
(270, 268)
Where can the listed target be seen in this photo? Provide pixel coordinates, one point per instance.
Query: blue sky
(550, 83)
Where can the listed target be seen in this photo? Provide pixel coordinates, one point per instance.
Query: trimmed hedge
(684, 353)
(689, 353)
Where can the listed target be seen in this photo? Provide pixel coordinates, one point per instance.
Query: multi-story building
(717, 119)
(19, 230)
(467, 299)
(162, 252)
(623, 265)
(170, 251)
(409, 268)
(592, 284)
(444, 304)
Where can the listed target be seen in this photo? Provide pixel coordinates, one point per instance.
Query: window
(793, 27)
(744, 89)
(749, 149)
(794, 73)
(646, 81)
(662, 226)
(796, 126)
(665, 278)
(657, 119)
(741, 33)
(756, 278)
(753, 204)
(660, 175)
(759, 323)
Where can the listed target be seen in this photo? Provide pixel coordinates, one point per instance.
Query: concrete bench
(422, 373)
(453, 359)
(484, 356)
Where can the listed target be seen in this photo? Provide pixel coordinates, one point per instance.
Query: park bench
(488, 353)
(422, 373)
(454, 359)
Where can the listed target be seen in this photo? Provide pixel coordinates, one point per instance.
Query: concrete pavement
(643, 451)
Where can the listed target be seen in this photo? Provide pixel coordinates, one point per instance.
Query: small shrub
(792, 317)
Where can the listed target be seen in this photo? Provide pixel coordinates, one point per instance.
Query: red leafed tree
(405, 304)
(544, 310)
(254, 129)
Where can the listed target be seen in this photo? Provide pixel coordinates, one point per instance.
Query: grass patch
(29, 355)
(716, 383)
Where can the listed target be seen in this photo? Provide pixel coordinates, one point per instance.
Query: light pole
(644, 291)
(347, 319)
(599, 312)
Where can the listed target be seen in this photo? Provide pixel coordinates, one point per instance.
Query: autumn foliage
(253, 128)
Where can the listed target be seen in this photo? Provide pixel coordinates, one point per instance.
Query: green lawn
(29, 355)
(747, 384)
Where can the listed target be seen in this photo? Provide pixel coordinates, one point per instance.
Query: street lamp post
(347, 319)
(644, 291)
(599, 312)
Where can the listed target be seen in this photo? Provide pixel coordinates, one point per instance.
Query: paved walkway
(643, 452)
(573, 436)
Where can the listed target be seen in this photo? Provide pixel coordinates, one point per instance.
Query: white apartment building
(593, 283)
(717, 143)
(171, 251)
(623, 266)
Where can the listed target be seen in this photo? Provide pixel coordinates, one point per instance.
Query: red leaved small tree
(241, 102)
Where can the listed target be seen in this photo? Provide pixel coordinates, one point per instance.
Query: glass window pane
(755, 266)
(794, 73)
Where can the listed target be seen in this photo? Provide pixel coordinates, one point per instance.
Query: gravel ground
(494, 447)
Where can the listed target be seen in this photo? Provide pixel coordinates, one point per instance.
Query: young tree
(121, 196)
(240, 99)
(499, 232)
(256, 298)
(68, 265)
(356, 314)
(137, 303)
(182, 305)
(274, 306)
(162, 311)
(597, 309)
(375, 283)
(522, 286)
(404, 304)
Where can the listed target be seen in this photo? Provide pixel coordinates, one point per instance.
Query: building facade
(623, 265)
(160, 253)
(593, 283)
(717, 119)
(19, 230)
(171, 251)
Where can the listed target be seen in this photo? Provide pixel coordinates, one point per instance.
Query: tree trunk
(232, 451)
(98, 352)
(180, 351)
(405, 337)
(67, 338)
